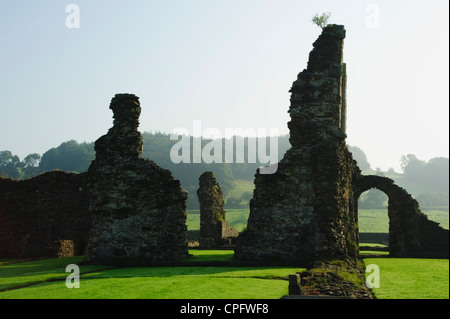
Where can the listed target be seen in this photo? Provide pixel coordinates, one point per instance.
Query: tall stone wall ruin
(305, 211)
(138, 208)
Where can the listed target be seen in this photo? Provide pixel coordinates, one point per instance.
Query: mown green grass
(372, 252)
(407, 278)
(238, 218)
(377, 220)
(235, 217)
(400, 278)
(25, 273)
(373, 221)
(210, 255)
(45, 279)
(174, 287)
(193, 219)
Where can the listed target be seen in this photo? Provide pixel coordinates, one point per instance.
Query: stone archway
(411, 233)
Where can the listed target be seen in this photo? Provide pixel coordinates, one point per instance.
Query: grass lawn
(210, 255)
(373, 221)
(29, 272)
(407, 278)
(400, 278)
(46, 280)
(153, 287)
(236, 217)
(377, 220)
(362, 252)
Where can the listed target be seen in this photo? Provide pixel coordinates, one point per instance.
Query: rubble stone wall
(305, 211)
(214, 229)
(45, 216)
(138, 208)
(411, 233)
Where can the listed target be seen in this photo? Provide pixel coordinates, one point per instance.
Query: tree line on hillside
(434, 173)
(72, 156)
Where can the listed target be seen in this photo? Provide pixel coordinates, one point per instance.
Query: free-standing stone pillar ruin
(305, 211)
(138, 209)
(215, 232)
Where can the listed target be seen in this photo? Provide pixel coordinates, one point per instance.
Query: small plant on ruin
(321, 20)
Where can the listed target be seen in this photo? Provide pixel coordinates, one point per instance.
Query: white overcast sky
(228, 63)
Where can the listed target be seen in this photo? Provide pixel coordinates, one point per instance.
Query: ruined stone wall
(214, 229)
(305, 211)
(138, 209)
(411, 233)
(45, 216)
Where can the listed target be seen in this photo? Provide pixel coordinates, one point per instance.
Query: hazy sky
(228, 63)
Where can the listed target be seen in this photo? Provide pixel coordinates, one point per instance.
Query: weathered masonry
(127, 210)
(307, 210)
(138, 209)
(44, 216)
(215, 232)
(411, 234)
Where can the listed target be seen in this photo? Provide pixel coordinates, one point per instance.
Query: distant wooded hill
(427, 181)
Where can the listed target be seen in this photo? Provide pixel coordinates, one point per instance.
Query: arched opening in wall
(373, 222)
